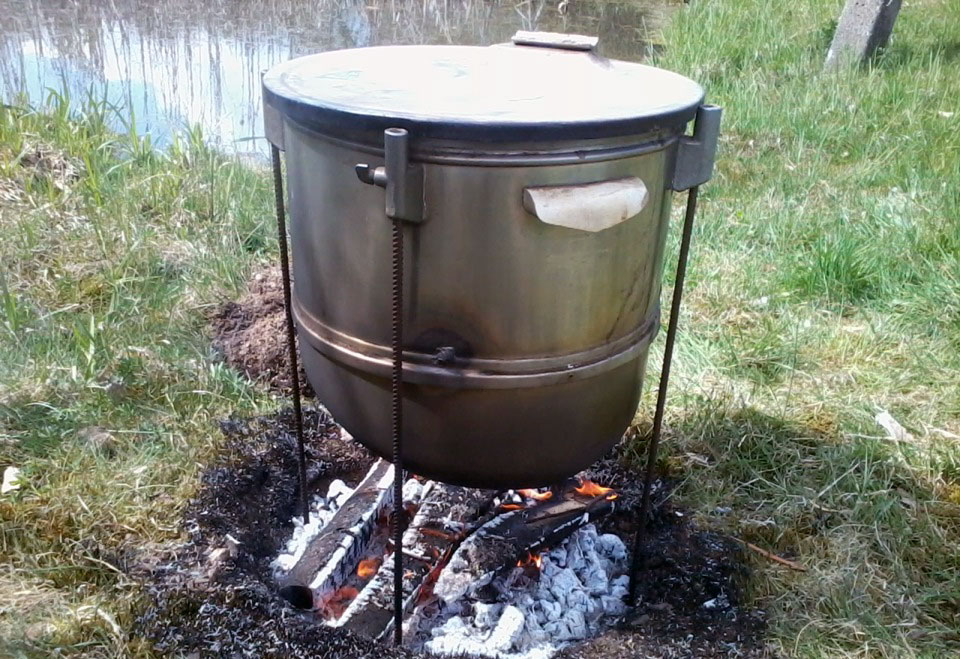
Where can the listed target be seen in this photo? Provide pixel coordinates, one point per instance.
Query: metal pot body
(525, 340)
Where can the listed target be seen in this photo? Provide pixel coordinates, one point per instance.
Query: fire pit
(515, 573)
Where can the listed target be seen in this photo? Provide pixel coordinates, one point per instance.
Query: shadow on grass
(869, 519)
(899, 55)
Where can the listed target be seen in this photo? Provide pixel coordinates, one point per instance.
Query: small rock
(98, 439)
(11, 480)
(233, 546)
(641, 619)
(719, 602)
(37, 631)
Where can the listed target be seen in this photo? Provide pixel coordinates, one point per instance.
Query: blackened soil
(251, 334)
(689, 596)
(209, 602)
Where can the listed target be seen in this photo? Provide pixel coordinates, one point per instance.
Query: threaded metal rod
(654, 445)
(396, 385)
(291, 333)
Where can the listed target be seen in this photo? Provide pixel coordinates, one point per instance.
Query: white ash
(579, 589)
(322, 509)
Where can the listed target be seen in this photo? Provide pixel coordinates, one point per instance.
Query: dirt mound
(215, 595)
(251, 334)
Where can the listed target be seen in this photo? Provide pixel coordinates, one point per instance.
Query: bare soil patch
(251, 334)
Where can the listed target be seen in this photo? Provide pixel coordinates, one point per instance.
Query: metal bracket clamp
(696, 153)
(403, 182)
(557, 40)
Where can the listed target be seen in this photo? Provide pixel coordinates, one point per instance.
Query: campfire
(514, 573)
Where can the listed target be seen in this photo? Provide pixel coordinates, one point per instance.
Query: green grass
(112, 255)
(824, 286)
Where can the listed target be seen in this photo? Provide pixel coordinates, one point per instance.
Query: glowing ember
(536, 495)
(334, 607)
(591, 489)
(512, 506)
(368, 567)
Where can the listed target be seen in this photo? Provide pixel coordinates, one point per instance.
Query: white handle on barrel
(589, 206)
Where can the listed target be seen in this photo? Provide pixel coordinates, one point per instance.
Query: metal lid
(521, 93)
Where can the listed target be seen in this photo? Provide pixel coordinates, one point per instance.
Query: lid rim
(330, 120)
(318, 91)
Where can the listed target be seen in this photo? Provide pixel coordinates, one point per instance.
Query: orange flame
(532, 559)
(590, 489)
(535, 495)
(512, 506)
(368, 567)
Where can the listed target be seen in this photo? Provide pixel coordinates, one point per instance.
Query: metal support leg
(662, 391)
(404, 202)
(396, 395)
(291, 334)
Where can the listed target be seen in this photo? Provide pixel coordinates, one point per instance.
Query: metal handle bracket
(403, 182)
(556, 40)
(696, 153)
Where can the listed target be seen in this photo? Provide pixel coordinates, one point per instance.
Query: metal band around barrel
(420, 368)
(504, 155)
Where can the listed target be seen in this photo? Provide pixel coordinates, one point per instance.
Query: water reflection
(181, 62)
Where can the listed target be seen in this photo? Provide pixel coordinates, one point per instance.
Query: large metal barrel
(537, 195)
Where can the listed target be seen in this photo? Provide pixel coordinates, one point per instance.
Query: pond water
(177, 63)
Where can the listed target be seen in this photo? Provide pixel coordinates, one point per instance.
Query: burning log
(460, 540)
(332, 554)
(515, 536)
(430, 534)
